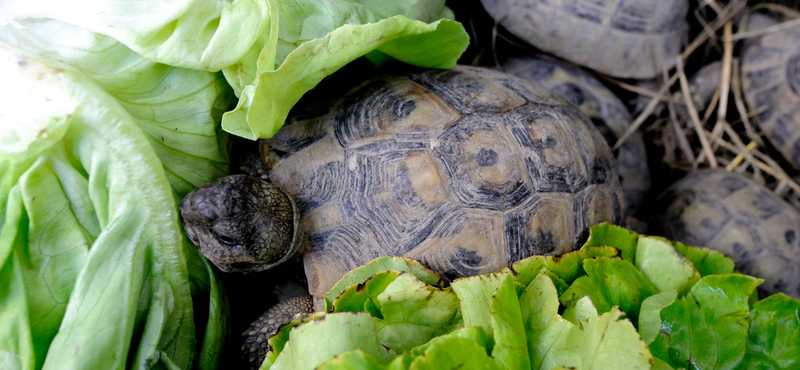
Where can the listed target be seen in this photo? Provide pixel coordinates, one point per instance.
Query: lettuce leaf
(178, 109)
(596, 342)
(264, 105)
(91, 246)
(707, 328)
(332, 334)
(774, 336)
(271, 51)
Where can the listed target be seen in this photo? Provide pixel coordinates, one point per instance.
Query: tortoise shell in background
(771, 84)
(621, 38)
(604, 108)
(466, 170)
(734, 215)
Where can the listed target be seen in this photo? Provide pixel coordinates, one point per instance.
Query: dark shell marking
(771, 83)
(622, 38)
(734, 215)
(604, 108)
(467, 170)
(254, 339)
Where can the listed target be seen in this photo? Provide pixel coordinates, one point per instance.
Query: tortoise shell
(466, 170)
(604, 109)
(628, 38)
(734, 215)
(771, 84)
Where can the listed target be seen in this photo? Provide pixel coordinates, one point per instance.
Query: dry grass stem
(740, 106)
(732, 9)
(680, 135)
(646, 112)
(725, 78)
(709, 109)
(740, 157)
(775, 172)
(638, 89)
(787, 11)
(695, 118)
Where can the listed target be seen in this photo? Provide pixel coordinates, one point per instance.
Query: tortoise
(606, 111)
(466, 170)
(628, 39)
(734, 215)
(771, 84)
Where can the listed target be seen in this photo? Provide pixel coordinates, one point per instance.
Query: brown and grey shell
(771, 84)
(734, 215)
(466, 170)
(629, 39)
(605, 110)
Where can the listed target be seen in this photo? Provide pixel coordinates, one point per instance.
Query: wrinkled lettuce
(95, 270)
(271, 51)
(596, 308)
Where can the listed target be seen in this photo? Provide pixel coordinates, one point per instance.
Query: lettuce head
(623, 301)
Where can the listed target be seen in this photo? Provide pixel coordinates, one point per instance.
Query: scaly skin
(242, 223)
(254, 339)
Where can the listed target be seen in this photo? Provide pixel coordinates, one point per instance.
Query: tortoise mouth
(793, 73)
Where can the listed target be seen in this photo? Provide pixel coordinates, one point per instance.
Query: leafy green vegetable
(597, 342)
(362, 297)
(610, 282)
(179, 110)
(511, 320)
(455, 353)
(707, 328)
(510, 347)
(706, 261)
(414, 313)
(567, 267)
(475, 294)
(650, 314)
(270, 51)
(665, 267)
(774, 336)
(261, 112)
(380, 264)
(606, 234)
(332, 334)
(91, 243)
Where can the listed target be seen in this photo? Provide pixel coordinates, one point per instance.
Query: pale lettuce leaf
(91, 236)
(178, 109)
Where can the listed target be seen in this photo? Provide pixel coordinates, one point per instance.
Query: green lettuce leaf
(664, 266)
(510, 348)
(178, 109)
(707, 329)
(567, 267)
(413, 313)
(774, 337)
(271, 51)
(314, 342)
(455, 353)
(475, 294)
(91, 235)
(610, 282)
(378, 265)
(706, 261)
(599, 342)
(363, 297)
(196, 34)
(261, 111)
(650, 314)
(606, 234)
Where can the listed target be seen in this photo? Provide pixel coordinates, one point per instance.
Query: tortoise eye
(223, 237)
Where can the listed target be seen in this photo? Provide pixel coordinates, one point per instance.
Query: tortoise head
(242, 223)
